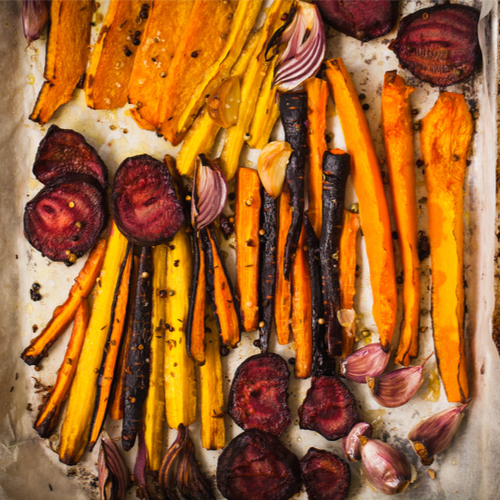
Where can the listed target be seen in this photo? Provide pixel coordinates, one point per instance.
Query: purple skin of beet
(361, 19)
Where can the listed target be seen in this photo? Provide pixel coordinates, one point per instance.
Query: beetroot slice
(145, 206)
(361, 19)
(63, 152)
(257, 466)
(328, 408)
(66, 217)
(325, 475)
(257, 399)
(439, 45)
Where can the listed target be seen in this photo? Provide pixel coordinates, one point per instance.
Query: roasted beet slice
(257, 399)
(63, 152)
(328, 408)
(325, 475)
(257, 466)
(145, 206)
(66, 217)
(439, 45)
(361, 19)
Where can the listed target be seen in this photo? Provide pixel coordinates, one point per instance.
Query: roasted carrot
(248, 203)
(317, 97)
(302, 310)
(112, 348)
(372, 203)
(49, 414)
(398, 140)
(283, 302)
(445, 140)
(347, 278)
(64, 314)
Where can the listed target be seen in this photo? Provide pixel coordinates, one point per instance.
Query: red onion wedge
(140, 468)
(114, 478)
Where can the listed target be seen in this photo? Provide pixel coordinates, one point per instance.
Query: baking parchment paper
(29, 468)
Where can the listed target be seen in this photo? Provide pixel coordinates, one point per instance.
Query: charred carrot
(64, 314)
(48, 416)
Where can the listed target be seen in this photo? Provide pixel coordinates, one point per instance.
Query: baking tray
(29, 468)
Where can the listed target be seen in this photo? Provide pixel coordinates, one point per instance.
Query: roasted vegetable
(49, 414)
(325, 475)
(248, 204)
(138, 363)
(271, 165)
(347, 280)
(114, 477)
(112, 60)
(224, 102)
(145, 205)
(35, 17)
(67, 54)
(112, 348)
(293, 109)
(439, 44)
(317, 97)
(76, 426)
(445, 141)
(328, 408)
(64, 220)
(360, 19)
(141, 467)
(257, 399)
(64, 314)
(336, 168)
(257, 466)
(398, 140)
(168, 469)
(372, 203)
(64, 151)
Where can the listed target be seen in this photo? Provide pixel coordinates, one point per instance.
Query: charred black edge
(276, 37)
(322, 364)
(336, 169)
(166, 473)
(121, 276)
(267, 284)
(137, 371)
(293, 110)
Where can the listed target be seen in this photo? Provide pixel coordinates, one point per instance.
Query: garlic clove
(272, 164)
(433, 435)
(385, 467)
(35, 17)
(350, 443)
(396, 388)
(369, 361)
(224, 102)
(114, 477)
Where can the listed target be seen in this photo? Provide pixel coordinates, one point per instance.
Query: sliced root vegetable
(64, 220)
(317, 97)
(328, 408)
(64, 314)
(257, 399)
(347, 279)
(256, 466)
(293, 109)
(397, 124)
(112, 348)
(248, 205)
(369, 189)
(213, 432)
(63, 152)
(49, 414)
(67, 54)
(145, 205)
(336, 168)
(445, 141)
(76, 426)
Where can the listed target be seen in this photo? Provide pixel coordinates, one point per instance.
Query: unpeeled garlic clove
(350, 443)
(224, 102)
(35, 17)
(386, 468)
(272, 164)
(369, 361)
(434, 434)
(396, 388)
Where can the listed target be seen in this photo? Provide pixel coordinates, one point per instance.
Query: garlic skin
(272, 164)
(434, 434)
(35, 17)
(386, 468)
(369, 361)
(396, 388)
(350, 443)
(114, 477)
